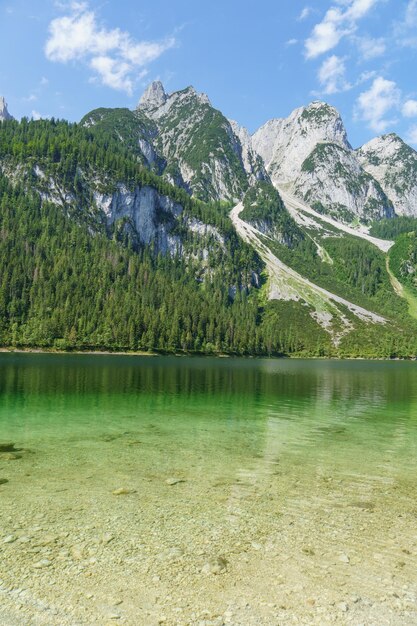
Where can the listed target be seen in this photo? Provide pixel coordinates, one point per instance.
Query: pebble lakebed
(103, 536)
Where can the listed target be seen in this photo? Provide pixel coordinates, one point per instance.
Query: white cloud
(381, 99)
(405, 29)
(365, 76)
(113, 54)
(36, 115)
(359, 8)
(326, 35)
(73, 6)
(370, 48)
(144, 52)
(113, 73)
(412, 135)
(335, 25)
(304, 14)
(411, 14)
(44, 81)
(410, 108)
(332, 75)
(291, 42)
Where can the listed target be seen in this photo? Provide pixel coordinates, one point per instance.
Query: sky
(255, 60)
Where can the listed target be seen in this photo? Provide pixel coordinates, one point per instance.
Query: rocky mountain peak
(322, 119)
(310, 154)
(380, 142)
(386, 149)
(191, 93)
(391, 137)
(4, 113)
(156, 103)
(154, 96)
(323, 106)
(285, 143)
(393, 164)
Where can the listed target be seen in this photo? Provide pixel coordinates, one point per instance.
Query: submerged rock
(174, 481)
(172, 554)
(8, 447)
(344, 558)
(3, 481)
(216, 566)
(9, 452)
(123, 491)
(42, 563)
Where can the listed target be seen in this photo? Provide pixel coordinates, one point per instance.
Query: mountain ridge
(160, 181)
(192, 144)
(309, 154)
(394, 164)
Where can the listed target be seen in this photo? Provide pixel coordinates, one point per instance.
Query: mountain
(284, 144)
(153, 97)
(185, 139)
(308, 154)
(99, 249)
(4, 113)
(132, 130)
(394, 165)
(97, 180)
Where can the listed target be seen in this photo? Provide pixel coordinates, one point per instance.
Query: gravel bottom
(101, 534)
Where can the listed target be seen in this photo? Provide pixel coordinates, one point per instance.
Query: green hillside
(73, 276)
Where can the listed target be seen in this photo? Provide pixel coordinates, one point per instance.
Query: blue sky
(255, 60)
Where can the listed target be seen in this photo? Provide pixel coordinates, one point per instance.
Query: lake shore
(13, 350)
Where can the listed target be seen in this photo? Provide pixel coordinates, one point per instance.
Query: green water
(309, 458)
(353, 415)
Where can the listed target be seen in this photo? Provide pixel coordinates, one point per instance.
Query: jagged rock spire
(154, 96)
(4, 113)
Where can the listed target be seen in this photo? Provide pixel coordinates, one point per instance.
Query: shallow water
(300, 476)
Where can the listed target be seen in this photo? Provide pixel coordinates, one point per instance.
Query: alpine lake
(207, 492)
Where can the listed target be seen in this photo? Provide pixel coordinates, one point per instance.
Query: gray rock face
(183, 138)
(153, 97)
(205, 154)
(309, 153)
(333, 181)
(143, 213)
(159, 106)
(148, 214)
(284, 144)
(148, 152)
(252, 162)
(4, 113)
(394, 165)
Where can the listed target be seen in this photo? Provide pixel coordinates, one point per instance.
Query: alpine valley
(171, 229)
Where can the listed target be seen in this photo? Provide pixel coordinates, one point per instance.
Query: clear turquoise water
(351, 415)
(255, 442)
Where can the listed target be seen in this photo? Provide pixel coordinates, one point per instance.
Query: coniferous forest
(70, 280)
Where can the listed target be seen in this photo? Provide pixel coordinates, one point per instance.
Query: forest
(69, 281)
